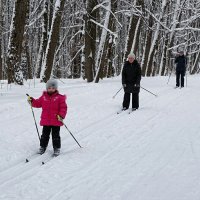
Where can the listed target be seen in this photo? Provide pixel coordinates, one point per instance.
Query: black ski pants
(47, 130)
(135, 100)
(180, 75)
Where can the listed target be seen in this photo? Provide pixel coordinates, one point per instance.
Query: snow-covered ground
(152, 154)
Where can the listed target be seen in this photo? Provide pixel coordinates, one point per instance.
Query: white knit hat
(52, 83)
(131, 55)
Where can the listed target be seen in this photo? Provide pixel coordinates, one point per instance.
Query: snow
(148, 155)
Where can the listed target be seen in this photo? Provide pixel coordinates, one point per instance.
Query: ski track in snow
(151, 154)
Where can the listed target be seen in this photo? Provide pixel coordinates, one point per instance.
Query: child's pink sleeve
(63, 107)
(37, 103)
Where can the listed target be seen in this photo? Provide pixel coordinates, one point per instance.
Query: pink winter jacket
(52, 105)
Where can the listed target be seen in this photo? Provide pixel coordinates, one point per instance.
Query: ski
(131, 111)
(35, 155)
(178, 88)
(120, 111)
(48, 159)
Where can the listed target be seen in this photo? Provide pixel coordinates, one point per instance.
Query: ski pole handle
(60, 118)
(28, 96)
(29, 99)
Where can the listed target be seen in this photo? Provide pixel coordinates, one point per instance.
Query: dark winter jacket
(131, 76)
(181, 62)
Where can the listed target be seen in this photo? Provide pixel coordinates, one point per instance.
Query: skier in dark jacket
(131, 77)
(181, 62)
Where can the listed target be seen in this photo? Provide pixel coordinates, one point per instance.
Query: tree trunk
(154, 44)
(52, 41)
(147, 46)
(100, 54)
(90, 40)
(164, 58)
(111, 49)
(176, 17)
(135, 44)
(25, 56)
(196, 64)
(43, 41)
(1, 35)
(133, 32)
(130, 37)
(16, 40)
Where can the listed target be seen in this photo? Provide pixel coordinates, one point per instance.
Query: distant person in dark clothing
(181, 62)
(131, 77)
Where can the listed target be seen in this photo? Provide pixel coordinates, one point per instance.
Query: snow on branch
(77, 53)
(106, 8)
(165, 27)
(36, 9)
(187, 28)
(36, 19)
(98, 24)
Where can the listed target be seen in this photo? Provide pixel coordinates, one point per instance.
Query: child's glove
(59, 118)
(29, 99)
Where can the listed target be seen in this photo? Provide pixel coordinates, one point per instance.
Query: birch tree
(43, 40)
(52, 40)
(102, 41)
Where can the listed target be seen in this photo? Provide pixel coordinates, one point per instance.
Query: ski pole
(117, 92)
(60, 119)
(169, 76)
(34, 118)
(186, 79)
(149, 91)
(186, 70)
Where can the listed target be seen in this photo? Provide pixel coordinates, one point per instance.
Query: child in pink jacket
(53, 106)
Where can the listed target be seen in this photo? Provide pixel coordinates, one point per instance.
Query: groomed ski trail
(124, 156)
